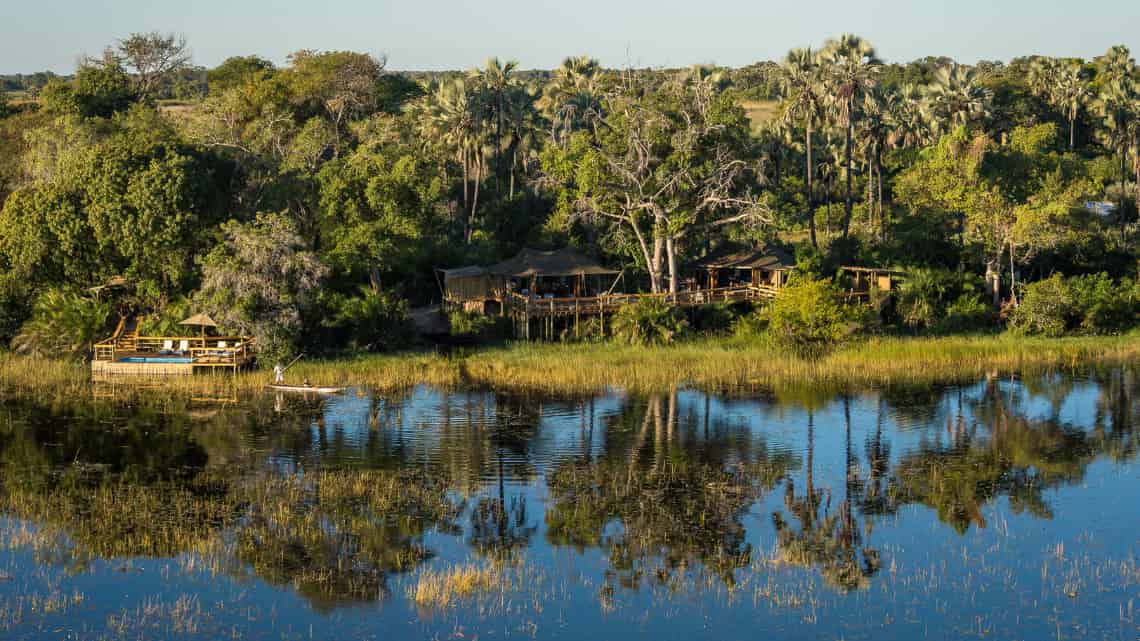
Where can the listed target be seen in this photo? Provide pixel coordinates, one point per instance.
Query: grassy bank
(709, 364)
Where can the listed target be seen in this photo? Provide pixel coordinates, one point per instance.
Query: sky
(434, 34)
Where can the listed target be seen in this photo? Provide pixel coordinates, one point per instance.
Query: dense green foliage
(62, 324)
(808, 318)
(1093, 304)
(649, 321)
(976, 180)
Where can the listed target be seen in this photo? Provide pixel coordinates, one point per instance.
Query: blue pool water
(162, 359)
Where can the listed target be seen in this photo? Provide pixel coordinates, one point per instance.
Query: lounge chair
(183, 346)
(167, 347)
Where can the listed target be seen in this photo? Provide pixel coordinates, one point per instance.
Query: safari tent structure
(865, 279)
(532, 273)
(543, 292)
(761, 267)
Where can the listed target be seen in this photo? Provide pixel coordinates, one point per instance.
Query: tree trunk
(1123, 189)
(848, 202)
(830, 186)
(374, 278)
(879, 179)
(1072, 132)
(466, 177)
(810, 194)
(670, 252)
(474, 204)
(993, 281)
(656, 284)
(1012, 276)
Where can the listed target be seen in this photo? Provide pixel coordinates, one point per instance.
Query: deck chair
(183, 346)
(167, 347)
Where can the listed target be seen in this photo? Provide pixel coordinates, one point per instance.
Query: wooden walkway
(523, 310)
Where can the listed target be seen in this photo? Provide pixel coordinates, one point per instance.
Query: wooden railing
(201, 350)
(541, 307)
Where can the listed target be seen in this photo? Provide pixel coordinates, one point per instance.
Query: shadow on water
(335, 499)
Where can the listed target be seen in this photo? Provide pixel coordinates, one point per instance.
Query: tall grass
(586, 368)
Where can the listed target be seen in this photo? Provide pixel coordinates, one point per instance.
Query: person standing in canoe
(278, 373)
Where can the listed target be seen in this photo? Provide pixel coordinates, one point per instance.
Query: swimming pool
(158, 359)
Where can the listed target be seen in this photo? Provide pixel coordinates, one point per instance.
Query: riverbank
(707, 364)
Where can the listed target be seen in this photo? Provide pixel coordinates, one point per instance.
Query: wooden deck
(126, 353)
(516, 305)
(571, 312)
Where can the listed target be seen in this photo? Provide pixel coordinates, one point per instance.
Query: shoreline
(713, 364)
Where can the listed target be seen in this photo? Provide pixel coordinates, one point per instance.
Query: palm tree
(1040, 75)
(522, 123)
(1070, 92)
(874, 134)
(451, 114)
(804, 91)
(496, 78)
(909, 120)
(573, 97)
(850, 65)
(1118, 106)
(1117, 64)
(955, 99)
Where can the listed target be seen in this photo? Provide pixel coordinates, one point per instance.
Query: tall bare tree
(153, 57)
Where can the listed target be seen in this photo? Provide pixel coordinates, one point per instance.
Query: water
(1003, 509)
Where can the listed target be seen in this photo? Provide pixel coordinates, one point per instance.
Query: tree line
(308, 203)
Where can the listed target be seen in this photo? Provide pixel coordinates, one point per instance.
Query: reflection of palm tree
(829, 541)
(499, 525)
(679, 497)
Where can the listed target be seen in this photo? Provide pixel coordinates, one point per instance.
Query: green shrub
(808, 318)
(717, 318)
(922, 296)
(649, 321)
(1103, 305)
(166, 321)
(1046, 308)
(590, 330)
(1092, 304)
(371, 321)
(15, 307)
(482, 326)
(968, 312)
(63, 324)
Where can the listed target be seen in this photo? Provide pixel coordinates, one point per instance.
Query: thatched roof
(766, 258)
(199, 320)
(558, 262)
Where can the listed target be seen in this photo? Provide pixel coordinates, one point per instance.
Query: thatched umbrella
(201, 321)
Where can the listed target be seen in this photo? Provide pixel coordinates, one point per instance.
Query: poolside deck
(126, 353)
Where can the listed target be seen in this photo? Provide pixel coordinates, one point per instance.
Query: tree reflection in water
(830, 541)
(300, 495)
(661, 496)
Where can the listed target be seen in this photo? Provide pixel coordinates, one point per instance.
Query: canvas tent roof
(470, 271)
(770, 258)
(558, 262)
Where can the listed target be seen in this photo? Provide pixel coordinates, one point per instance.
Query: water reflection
(333, 498)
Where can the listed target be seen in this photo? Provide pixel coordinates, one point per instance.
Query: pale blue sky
(437, 34)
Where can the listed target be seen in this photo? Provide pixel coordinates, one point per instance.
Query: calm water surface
(1004, 509)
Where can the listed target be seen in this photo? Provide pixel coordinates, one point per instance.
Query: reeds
(706, 364)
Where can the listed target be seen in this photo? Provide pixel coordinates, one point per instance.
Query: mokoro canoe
(306, 389)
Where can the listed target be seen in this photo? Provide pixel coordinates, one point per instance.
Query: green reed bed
(714, 363)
